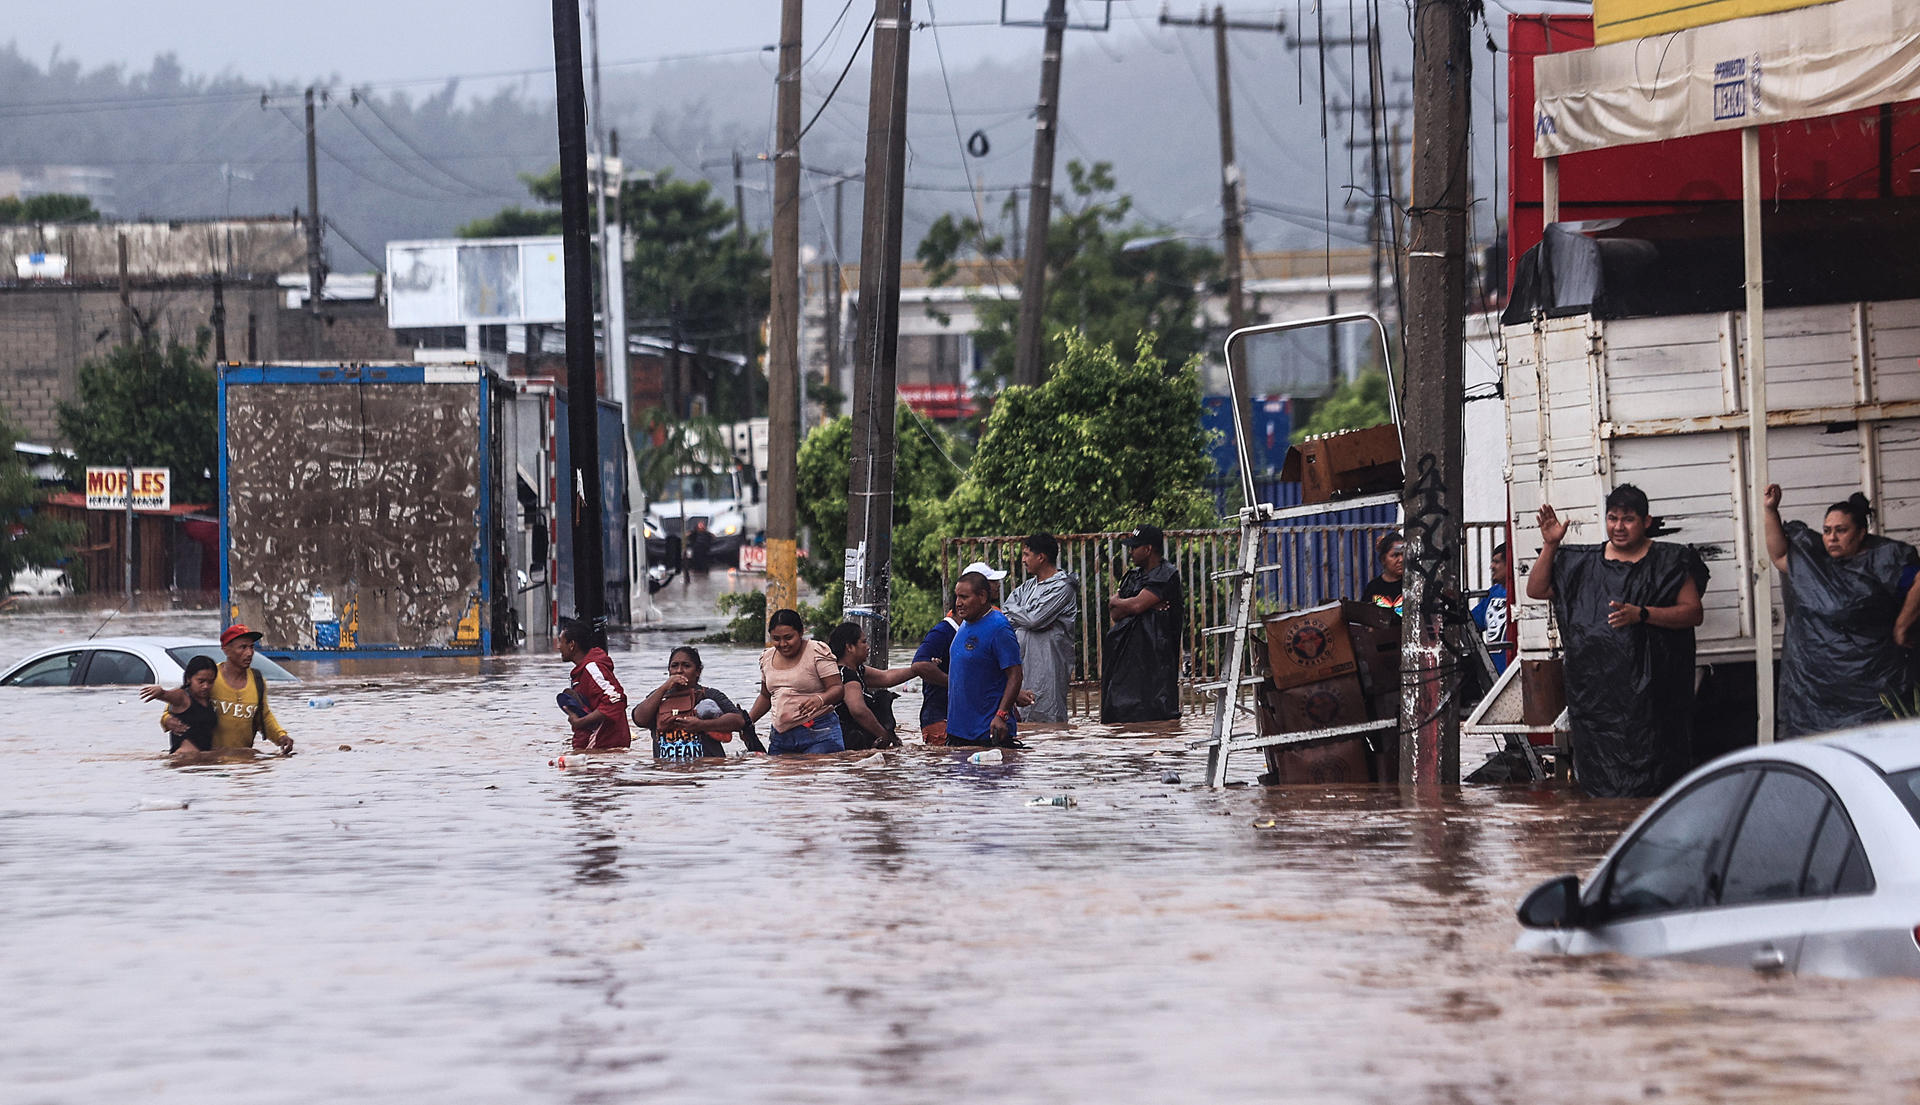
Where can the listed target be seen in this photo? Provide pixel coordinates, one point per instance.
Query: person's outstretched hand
(1552, 529)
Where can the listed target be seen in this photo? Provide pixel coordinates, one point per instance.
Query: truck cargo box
(358, 508)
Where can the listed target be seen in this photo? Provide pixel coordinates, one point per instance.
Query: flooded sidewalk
(434, 914)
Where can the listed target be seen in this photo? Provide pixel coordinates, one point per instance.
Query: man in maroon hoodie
(599, 717)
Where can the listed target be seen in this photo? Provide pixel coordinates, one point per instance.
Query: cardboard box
(1351, 462)
(1322, 705)
(1309, 645)
(1336, 762)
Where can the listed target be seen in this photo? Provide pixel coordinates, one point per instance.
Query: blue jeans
(822, 735)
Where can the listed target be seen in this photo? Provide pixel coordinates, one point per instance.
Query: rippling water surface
(438, 915)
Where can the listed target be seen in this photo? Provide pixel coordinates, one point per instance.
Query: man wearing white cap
(993, 578)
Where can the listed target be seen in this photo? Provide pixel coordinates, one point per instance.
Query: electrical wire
(343, 163)
(851, 58)
(378, 264)
(358, 100)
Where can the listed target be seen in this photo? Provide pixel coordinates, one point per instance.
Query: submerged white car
(123, 661)
(1799, 857)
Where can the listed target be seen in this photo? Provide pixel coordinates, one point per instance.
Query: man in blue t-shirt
(931, 661)
(983, 672)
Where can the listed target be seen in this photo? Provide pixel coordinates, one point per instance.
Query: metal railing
(1318, 564)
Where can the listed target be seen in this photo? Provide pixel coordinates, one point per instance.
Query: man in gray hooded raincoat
(1043, 611)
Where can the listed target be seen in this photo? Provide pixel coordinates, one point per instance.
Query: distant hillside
(404, 166)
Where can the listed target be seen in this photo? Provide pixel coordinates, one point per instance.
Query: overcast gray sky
(387, 40)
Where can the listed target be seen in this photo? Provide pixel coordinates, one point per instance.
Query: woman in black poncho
(1626, 611)
(1840, 663)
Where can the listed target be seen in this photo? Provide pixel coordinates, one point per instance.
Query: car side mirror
(1554, 904)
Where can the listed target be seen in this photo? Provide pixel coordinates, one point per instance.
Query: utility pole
(783, 346)
(870, 478)
(583, 386)
(833, 287)
(1233, 194)
(316, 266)
(126, 295)
(1031, 347)
(1434, 385)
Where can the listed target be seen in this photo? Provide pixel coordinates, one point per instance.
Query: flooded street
(438, 915)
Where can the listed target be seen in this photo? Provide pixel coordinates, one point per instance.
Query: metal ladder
(1228, 689)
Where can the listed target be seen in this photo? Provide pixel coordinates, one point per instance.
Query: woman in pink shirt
(800, 684)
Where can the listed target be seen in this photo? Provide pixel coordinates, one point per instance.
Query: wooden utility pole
(316, 267)
(1030, 349)
(783, 352)
(1434, 386)
(126, 295)
(583, 385)
(1233, 193)
(870, 480)
(833, 287)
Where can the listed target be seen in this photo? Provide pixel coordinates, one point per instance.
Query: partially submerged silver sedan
(1802, 856)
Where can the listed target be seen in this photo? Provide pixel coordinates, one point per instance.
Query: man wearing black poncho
(1626, 610)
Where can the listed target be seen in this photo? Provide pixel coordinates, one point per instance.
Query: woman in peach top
(800, 684)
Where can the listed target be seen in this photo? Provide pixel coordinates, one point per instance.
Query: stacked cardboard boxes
(1331, 666)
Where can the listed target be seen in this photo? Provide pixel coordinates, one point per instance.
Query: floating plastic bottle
(1063, 801)
(321, 703)
(987, 756)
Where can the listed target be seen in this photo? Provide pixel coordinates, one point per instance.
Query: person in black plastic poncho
(1626, 611)
(1840, 664)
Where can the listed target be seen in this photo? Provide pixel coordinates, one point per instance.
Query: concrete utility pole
(583, 385)
(1233, 185)
(1434, 384)
(1030, 349)
(783, 345)
(869, 564)
(316, 267)
(126, 295)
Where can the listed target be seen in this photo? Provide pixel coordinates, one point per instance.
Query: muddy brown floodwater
(439, 916)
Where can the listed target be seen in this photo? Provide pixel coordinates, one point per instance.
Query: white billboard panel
(463, 281)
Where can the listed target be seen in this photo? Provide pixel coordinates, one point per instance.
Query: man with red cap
(239, 698)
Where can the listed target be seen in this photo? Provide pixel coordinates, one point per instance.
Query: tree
(1354, 405)
(28, 538)
(49, 208)
(923, 476)
(152, 405)
(692, 271)
(1105, 444)
(1107, 281)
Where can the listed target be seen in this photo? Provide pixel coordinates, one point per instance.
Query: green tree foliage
(923, 477)
(691, 268)
(1107, 443)
(51, 208)
(28, 538)
(1108, 280)
(1354, 405)
(151, 404)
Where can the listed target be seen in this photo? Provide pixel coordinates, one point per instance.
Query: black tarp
(1839, 657)
(1140, 677)
(1812, 252)
(1629, 689)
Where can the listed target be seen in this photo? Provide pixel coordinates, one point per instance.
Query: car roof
(1888, 747)
(149, 642)
(1891, 746)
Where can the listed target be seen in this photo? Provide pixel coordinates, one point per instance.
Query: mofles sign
(107, 488)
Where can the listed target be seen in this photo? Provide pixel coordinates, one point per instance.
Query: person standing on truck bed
(1841, 661)
(239, 699)
(1626, 610)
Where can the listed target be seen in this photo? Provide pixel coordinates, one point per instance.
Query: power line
(117, 103)
(377, 263)
(358, 100)
(855, 56)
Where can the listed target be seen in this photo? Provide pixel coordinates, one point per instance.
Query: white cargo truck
(1659, 402)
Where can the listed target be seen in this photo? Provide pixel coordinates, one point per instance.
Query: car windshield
(687, 485)
(1906, 784)
(273, 672)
